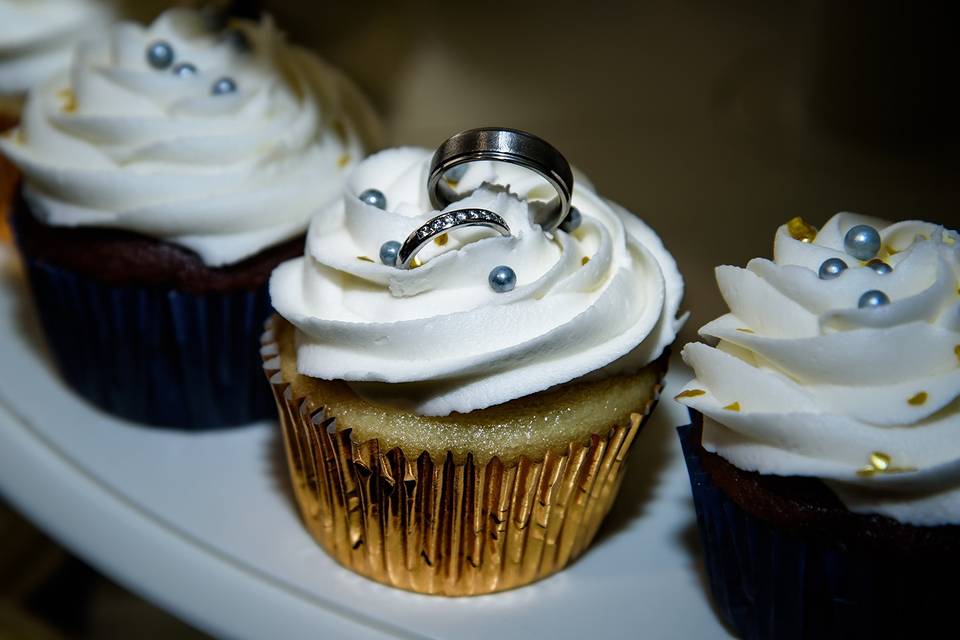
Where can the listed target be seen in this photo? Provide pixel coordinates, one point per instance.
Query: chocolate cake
(806, 507)
(119, 257)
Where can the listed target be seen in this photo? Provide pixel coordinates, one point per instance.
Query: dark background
(715, 122)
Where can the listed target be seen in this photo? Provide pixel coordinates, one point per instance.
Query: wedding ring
(442, 224)
(504, 145)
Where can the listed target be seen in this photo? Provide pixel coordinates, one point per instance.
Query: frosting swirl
(118, 143)
(437, 339)
(37, 37)
(803, 382)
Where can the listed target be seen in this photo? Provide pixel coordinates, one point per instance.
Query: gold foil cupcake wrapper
(445, 527)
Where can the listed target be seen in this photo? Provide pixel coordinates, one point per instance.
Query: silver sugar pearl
(502, 279)
(388, 252)
(572, 222)
(873, 298)
(374, 198)
(862, 242)
(223, 86)
(184, 70)
(160, 54)
(237, 39)
(880, 267)
(831, 268)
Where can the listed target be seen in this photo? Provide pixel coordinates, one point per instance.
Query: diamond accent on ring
(444, 222)
(451, 220)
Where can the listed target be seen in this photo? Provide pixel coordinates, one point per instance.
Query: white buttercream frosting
(437, 339)
(866, 399)
(117, 143)
(37, 38)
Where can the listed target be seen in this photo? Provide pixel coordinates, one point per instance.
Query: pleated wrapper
(156, 356)
(445, 527)
(769, 581)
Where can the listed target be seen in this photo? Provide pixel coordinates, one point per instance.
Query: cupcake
(461, 427)
(165, 175)
(36, 39)
(825, 448)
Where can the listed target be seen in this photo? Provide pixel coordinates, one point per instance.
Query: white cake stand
(205, 527)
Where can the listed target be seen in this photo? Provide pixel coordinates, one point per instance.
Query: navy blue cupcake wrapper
(156, 356)
(770, 582)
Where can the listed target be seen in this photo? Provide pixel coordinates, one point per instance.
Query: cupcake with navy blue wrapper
(167, 171)
(824, 453)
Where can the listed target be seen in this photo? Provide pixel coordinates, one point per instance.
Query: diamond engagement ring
(442, 224)
(504, 145)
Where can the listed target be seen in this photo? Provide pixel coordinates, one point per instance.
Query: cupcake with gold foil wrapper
(825, 449)
(456, 428)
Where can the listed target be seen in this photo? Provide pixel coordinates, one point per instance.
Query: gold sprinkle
(879, 462)
(800, 230)
(918, 399)
(733, 406)
(948, 239)
(689, 393)
(441, 239)
(416, 263)
(364, 259)
(343, 160)
(69, 100)
(890, 250)
(746, 330)
(584, 260)
(956, 351)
